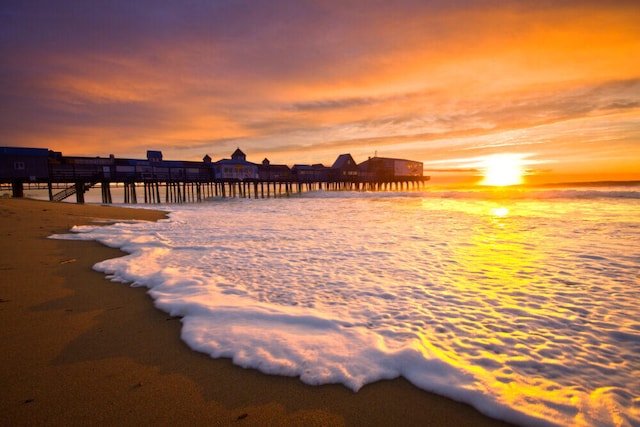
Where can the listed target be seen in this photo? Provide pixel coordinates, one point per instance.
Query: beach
(79, 349)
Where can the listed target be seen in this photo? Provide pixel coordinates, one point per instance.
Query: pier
(156, 181)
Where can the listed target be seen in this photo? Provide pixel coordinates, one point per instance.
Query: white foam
(530, 315)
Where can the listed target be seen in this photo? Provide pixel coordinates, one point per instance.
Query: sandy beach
(78, 349)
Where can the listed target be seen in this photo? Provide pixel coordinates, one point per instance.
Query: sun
(502, 170)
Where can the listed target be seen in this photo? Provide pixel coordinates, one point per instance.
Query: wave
(489, 193)
(531, 320)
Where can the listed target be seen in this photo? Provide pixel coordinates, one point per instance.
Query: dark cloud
(332, 104)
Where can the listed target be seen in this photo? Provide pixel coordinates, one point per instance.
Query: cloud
(310, 78)
(331, 104)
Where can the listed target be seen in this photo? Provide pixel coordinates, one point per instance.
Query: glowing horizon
(302, 82)
(502, 170)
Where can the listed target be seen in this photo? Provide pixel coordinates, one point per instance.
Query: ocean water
(523, 303)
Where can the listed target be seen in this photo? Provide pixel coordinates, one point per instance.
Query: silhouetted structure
(185, 181)
(269, 172)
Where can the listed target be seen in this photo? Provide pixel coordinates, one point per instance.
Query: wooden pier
(154, 181)
(158, 192)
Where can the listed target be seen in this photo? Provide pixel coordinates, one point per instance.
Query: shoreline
(79, 349)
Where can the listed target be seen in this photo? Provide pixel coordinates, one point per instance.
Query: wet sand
(78, 349)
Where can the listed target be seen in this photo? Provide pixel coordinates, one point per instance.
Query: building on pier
(269, 172)
(19, 165)
(154, 156)
(180, 181)
(344, 168)
(237, 167)
(385, 168)
(24, 163)
(311, 173)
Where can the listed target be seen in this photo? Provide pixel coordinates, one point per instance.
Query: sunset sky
(555, 84)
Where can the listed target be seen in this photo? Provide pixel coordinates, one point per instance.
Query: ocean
(521, 302)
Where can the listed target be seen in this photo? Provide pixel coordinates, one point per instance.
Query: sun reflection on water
(500, 212)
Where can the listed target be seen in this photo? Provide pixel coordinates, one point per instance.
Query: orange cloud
(303, 82)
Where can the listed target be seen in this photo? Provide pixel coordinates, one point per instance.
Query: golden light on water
(502, 170)
(500, 212)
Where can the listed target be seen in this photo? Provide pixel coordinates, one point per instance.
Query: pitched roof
(238, 153)
(344, 160)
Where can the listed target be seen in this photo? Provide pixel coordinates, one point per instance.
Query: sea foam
(524, 307)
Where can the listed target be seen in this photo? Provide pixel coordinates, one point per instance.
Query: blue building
(24, 164)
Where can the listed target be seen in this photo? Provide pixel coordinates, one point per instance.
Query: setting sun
(502, 170)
